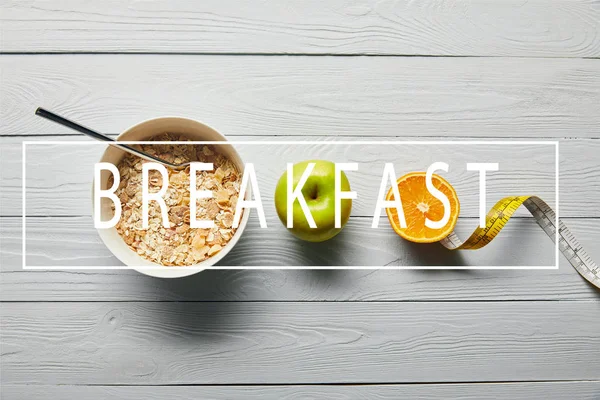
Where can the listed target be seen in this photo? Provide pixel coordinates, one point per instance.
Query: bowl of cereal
(177, 250)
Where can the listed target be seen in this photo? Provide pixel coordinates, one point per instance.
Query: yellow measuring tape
(499, 215)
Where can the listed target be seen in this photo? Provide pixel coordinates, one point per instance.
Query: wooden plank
(73, 241)
(308, 96)
(584, 390)
(561, 28)
(280, 343)
(54, 187)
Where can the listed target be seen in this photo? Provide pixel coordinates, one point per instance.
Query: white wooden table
(275, 70)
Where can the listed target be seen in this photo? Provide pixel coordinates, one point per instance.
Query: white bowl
(146, 130)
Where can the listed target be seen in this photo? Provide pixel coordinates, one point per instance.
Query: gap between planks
(282, 54)
(440, 383)
(45, 138)
(473, 301)
(353, 216)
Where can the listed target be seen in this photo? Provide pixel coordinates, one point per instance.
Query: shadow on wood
(432, 254)
(208, 319)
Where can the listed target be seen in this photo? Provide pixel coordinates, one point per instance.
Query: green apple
(319, 193)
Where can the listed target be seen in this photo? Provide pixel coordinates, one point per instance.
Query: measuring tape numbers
(499, 215)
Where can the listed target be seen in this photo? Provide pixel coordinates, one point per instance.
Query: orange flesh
(419, 204)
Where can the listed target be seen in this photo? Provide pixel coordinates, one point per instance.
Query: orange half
(419, 204)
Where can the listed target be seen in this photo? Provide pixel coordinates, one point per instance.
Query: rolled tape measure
(499, 215)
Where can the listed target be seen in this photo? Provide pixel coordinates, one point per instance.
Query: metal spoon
(98, 136)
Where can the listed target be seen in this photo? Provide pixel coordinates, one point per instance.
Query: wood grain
(73, 241)
(308, 96)
(561, 28)
(588, 390)
(278, 343)
(54, 187)
(278, 334)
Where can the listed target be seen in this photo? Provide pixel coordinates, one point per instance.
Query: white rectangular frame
(555, 143)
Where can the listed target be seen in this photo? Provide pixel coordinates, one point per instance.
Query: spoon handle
(70, 124)
(98, 136)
